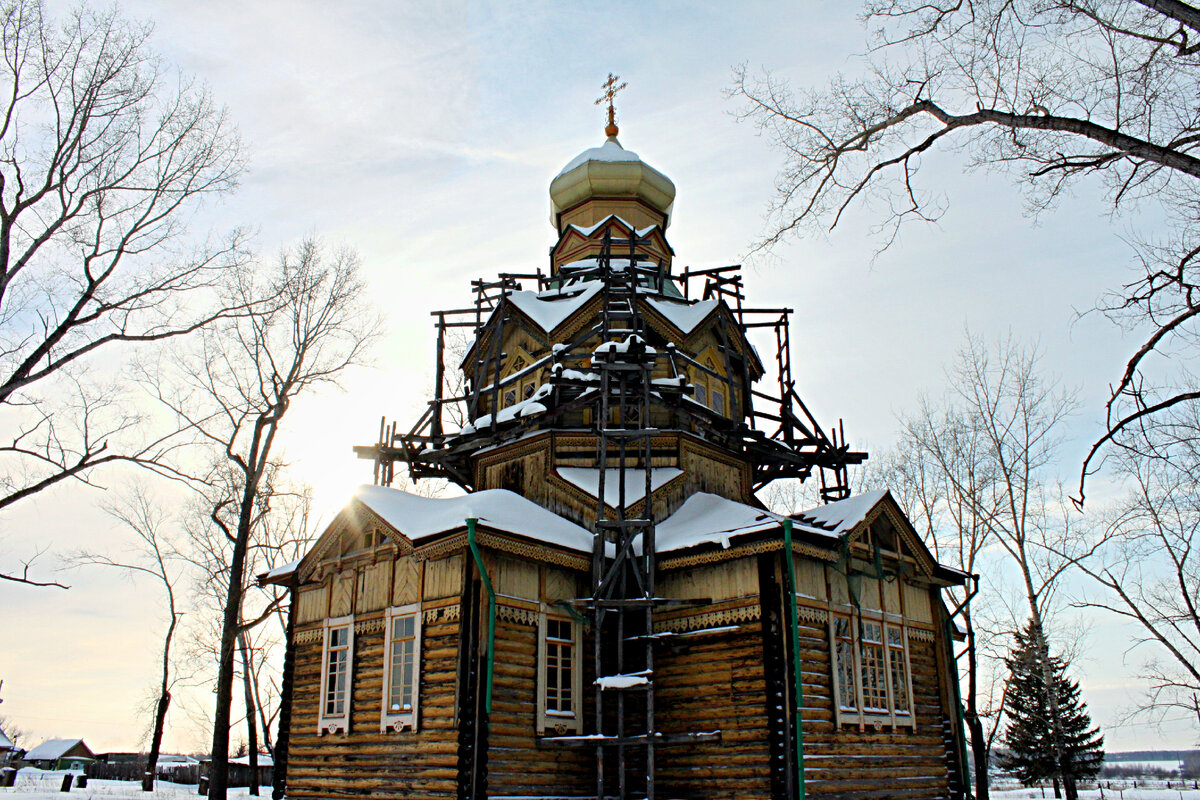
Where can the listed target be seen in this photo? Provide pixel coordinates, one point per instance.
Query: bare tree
(1144, 564)
(941, 474)
(280, 533)
(104, 157)
(973, 470)
(1053, 91)
(235, 391)
(154, 554)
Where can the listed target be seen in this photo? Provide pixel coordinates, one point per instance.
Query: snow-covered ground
(39, 785)
(1139, 793)
(36, 784)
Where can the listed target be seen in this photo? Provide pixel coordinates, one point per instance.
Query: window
(402, 668)
(560, 665)
(559, 675)
(718, 402)
(510, 398)
(898, 661)
(337, 668)
(701, 394)
(871, 674)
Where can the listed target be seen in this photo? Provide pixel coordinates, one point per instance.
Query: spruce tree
(1034, 754)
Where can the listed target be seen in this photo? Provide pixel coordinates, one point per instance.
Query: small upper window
(510, 397)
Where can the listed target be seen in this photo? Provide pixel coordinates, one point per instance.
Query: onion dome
(609, 180)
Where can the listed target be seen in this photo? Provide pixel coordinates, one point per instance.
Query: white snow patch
(635, 481)
(710, 519)
(421, 517)
(841, 516)
(611, 150)
(621, 681)
(548, 311)
(683, 315)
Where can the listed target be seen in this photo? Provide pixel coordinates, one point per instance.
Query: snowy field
(33, 784)
(1107, 794)
(38, 785)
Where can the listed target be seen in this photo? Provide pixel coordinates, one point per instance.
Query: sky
(425, 135)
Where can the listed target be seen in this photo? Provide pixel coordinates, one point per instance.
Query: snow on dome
(611, 150)
(610, 172)
(421, 517)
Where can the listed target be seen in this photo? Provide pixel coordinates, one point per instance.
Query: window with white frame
(871, 671)
(560, 677)
(337, 664)
(401, 668)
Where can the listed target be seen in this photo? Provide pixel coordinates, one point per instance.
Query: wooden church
(608, 611)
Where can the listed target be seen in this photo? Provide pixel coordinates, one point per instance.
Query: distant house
(7, 749)
(239, 770)
(70, 754)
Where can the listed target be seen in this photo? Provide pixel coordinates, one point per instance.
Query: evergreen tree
(1034, 755)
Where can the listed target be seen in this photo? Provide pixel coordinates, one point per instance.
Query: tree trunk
(251, 726)
(164, 692)
(160, 718)
(979, 743)
(230, 624)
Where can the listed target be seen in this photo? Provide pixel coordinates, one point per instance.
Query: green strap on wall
(487, 584)
(797, 679)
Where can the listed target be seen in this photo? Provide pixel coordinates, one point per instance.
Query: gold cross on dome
(610, 92)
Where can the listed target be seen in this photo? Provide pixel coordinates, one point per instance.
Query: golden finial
(610, 92)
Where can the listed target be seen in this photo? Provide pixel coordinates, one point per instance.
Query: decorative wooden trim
(310, 636)
(442, 548)
(741, 551)
(919, 634)
(809, 614)
(441, 613)
(521, 616)
(710, 619)
(539, 552)
(369, 626)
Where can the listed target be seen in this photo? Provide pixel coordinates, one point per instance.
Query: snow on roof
(51, 749)
(710, 519)
(281, 572)
(611, 150)
(5, 742)
(421, 517)
(681, 314)
(635, 481)
(548, 312)
(264, 760)
(841, 516)
(590, 229)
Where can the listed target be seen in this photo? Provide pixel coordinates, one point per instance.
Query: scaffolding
(609, 368)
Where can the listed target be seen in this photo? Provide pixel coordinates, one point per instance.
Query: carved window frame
(339, 722)
(893, 717)
(400, 720)
(558, 723)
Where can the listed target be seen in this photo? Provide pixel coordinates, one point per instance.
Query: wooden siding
(406, 764)
(849, 762)
(714, 683)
